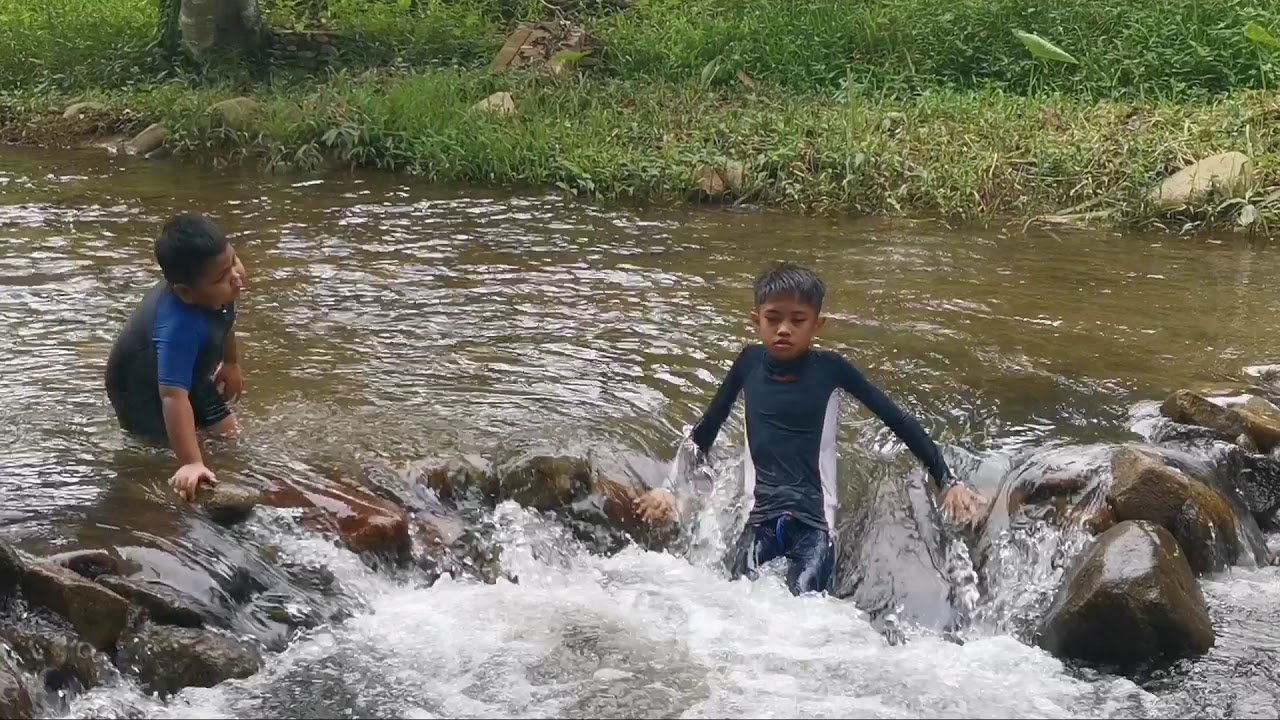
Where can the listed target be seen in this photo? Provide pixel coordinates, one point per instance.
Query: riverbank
(886, 121)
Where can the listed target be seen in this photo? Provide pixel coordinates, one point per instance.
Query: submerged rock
(165, 605)
(87, 563)
(15, 697)
(1131, 599)
(545, 482)
(168, 659)
(1202, 521)
(95, 612)
(41, 646)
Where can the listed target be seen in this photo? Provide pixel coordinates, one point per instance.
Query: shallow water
(387, 320)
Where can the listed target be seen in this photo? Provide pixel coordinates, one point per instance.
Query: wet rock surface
(163, 604)
(1132, 598)
(169, 659)
(1143, 488)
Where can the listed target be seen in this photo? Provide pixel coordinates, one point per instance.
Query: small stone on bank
(499, 103)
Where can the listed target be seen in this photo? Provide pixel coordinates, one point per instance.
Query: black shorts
(808, 550)
(140, 412)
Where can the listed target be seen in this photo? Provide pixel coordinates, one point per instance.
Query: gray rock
(75, 110)
(169, 658)
(1229, 173)
(152, 138)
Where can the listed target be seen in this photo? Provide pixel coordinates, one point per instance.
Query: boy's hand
(656, 506)
(962, 505)
(229, 380)
(189, 477)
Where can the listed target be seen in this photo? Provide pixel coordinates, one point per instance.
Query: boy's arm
(708, 426)
(903, 425)
(177, 344)
(659, 505)
(229, 379)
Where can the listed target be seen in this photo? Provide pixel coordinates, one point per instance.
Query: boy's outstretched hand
(656, 506)
(962, 505)
(189, 477)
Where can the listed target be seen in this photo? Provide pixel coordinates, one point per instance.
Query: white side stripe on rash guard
(827, 462)
(748, 473)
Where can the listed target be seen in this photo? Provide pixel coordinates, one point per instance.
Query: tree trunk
(215, 31)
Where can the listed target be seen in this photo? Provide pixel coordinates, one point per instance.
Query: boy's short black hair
(186, 244)
(791, 280)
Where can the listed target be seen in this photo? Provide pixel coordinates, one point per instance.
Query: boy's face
(787, 326)
(219, 283)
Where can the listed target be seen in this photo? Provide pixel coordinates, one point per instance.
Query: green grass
(960, 154)
(1128, 49)
(867, 106)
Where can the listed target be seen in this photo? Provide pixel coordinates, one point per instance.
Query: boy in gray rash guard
(791, 394)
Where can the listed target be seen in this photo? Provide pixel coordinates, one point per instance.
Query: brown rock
(165, 605)
(87, 563)
(1257, 418)
(95, 612)
(1132, 598)
(364, 522)
(1202, 521)
(226, 503)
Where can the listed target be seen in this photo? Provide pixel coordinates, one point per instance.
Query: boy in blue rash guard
(176, 364)
(791, 395)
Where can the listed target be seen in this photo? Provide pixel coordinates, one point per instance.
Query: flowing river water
(389, 320)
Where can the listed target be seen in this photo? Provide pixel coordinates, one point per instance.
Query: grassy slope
(876, 106)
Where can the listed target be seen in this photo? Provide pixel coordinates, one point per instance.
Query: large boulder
(1256, 418)
(169, 658)
(1202, 521)
(95, 612)
(1131, 599)
(1228, 173)
(165, 605)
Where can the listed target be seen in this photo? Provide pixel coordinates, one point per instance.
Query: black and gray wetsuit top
(791, 413)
